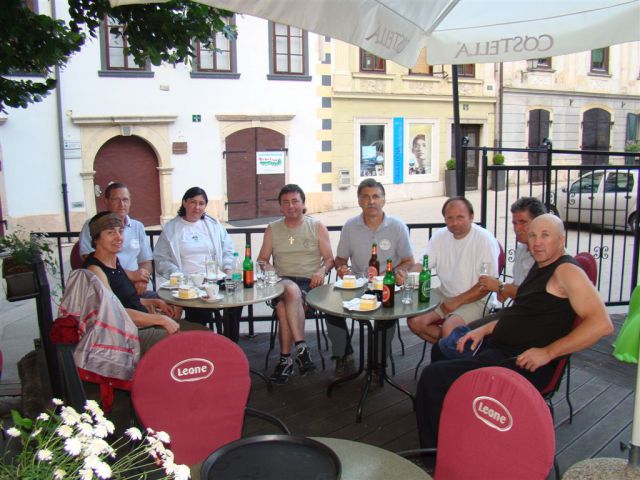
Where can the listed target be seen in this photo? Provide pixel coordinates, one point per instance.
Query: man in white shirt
(459, 253)
(136, 255)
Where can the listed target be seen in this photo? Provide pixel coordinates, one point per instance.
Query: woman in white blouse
(185, 243)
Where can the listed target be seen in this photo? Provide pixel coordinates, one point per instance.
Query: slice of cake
(368, 302)
(176, 279)
(186, 292)
(349, 281)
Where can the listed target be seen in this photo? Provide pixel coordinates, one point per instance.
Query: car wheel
(633, 222)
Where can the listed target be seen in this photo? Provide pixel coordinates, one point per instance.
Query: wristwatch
(500, 286)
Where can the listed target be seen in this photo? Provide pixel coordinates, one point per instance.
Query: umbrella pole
(634, 447)
(457, 137)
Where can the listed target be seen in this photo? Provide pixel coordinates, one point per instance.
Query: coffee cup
(212, 290)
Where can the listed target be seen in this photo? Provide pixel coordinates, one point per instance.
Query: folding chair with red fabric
(494, 425)
(589, 265)
(194, 386)
(95, 339)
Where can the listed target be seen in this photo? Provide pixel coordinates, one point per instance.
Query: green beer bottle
(425, 281)
(247, 268)
(388, 286)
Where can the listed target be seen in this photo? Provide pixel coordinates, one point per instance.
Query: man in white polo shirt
(135, 256)
(459, 253)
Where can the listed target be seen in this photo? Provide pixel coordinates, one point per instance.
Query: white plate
(217, 298)
(360, 282)
(358, 309)
(199, 294)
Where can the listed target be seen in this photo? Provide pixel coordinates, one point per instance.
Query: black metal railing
(598, 203)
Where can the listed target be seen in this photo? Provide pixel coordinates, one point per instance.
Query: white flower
(64, 431)
(181, 472)
(73, 446)
(102, 470)
(85, 428)
(43, 416)
(133, 433)
(108, 425)
(86, 474)
(100, 431)
(69, 416)
(97, 447)
(13, 432)
(85, 417)
(59, 474)
(57, 402)
(91, 461)
(163, 437)
(93, 407)
(44, 455)
(36, 432)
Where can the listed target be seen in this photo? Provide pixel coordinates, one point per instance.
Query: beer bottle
(424, 290)
(247, 268)
(374, 263)
(388, 286)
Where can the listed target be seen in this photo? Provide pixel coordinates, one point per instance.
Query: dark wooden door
(132, 161)
(250, 195)
(472, 159)
(538, 131)
(596, 135)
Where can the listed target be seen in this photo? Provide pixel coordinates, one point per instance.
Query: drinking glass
(407, 293)
(211, 269)
(272, 277)
(484, 268)
(414, 279)
(229, 285)
(260, 273)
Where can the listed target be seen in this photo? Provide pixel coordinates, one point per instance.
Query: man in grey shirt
(136, 255)
(358, 234)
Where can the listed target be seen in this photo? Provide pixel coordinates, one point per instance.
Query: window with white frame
(219, 56)
(374, 149)
(288, 53)
(115, 58)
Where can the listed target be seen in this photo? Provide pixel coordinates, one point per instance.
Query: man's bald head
(546, 239)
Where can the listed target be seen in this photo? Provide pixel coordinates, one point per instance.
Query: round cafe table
(328, 299)
(238, 298)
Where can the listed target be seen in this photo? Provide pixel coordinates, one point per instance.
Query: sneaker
(283, 371)
(303, 359)
(344, 366)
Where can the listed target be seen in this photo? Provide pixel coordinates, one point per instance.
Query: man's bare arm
(570, 281)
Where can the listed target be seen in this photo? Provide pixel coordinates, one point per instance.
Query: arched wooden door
(538, 131)
(249, 194)
(132, 161)
(596, 135)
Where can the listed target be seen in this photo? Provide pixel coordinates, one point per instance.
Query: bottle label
(386, 293)
(248, 278)
(425, 287)
(372, 272)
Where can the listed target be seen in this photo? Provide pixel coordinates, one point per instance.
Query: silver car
(602, 198)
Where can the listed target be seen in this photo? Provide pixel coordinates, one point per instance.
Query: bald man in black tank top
(536, 329)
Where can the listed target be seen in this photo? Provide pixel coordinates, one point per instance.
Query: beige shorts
(469, 312)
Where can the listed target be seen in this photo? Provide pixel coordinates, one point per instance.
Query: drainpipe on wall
(63, 167)
(500, 104)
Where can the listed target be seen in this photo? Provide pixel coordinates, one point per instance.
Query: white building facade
(239, 123)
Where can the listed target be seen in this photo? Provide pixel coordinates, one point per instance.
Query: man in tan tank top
(301, 253)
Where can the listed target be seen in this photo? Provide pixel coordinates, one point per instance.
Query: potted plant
(498, 177)
(450, 189)
(634, 147)
(22, 251)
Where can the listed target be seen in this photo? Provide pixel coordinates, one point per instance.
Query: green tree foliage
(35, 44)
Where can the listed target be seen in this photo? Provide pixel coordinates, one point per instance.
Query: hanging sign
(269, 162)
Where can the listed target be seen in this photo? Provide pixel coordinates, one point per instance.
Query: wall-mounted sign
(269, 162)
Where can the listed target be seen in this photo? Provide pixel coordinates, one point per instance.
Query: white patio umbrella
(454, 31)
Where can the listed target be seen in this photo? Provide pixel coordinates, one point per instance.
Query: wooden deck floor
(602, 393)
